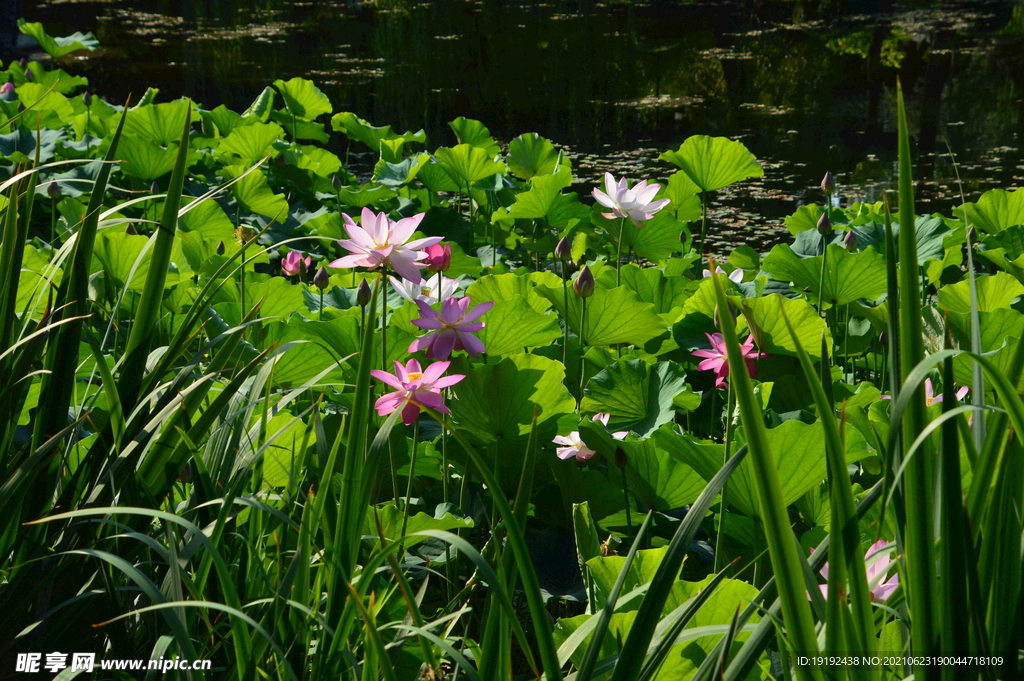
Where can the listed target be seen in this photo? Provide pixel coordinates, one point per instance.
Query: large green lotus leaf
(280, 298)
(364, 196)
(637, 395)
(848, 276)
(659, 238)
(680, 190)
(253, 192)
(392, 519)
(60, 80)
(45, 100)
(995, 292)
(996, 326)
(698, 316)
(655, 478)
(435, 178)
(1002, 359)
(262, 106)
(281, 461)
(58, 47)
(20, 145)
(356, 128)
(115, 252)
(530, 154)
(763, 317)
(157, 123)
(144, 159)
(397, 174)
(223, 118)
(805, 218)
(667, 293)
(498, 401)
(317, 160)
(513, 326)
(303, 99)
(467, 164)
(618, 629)
(584, 484)
(300, 129)
(996, 210)
(247, 144)
(496, 287)
(613, 316)
(714, 162)
(546, 200)
(320, 345)
(1009, 242)
(475, 134)
(207, 219)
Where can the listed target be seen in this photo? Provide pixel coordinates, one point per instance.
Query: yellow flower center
(415, 375)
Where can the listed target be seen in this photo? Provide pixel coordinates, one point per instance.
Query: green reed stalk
(782, 546)
(918, 483)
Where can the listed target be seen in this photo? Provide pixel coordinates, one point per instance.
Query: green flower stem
(703, 222)
(725, 460)
(618, 252)
(565, 296)
(625, 496)
(583, 322)
(320, 312)
(412, 474)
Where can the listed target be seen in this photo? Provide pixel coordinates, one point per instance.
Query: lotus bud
(186, 473)
(23, 62)
(563, 249)
(824, 224)
(279, 159)
(154, 188)
(53, 190)
(336, 181)
(439, 258)
(583, 284)
(718, 319)
(850, 241)
(363, 294)
(321, 279)
(883, 338)
(828, 183)
(220, 248)
(130, 229)
(87, 99)
(7, 88)
(29, 76)
(972, 235)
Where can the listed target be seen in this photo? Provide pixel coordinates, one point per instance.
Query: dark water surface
(807, 85)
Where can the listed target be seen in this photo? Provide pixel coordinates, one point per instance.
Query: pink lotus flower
(425, 290)
(573, 445)
(877, 569)
(930, 397)
(718, 359)
(416, 389)
(635, 204)
(452, 328)
(439, 258)
(291, 264)
(378, 241)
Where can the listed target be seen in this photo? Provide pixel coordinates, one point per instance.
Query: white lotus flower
(635, 204)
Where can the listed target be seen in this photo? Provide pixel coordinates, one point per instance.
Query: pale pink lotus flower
(637, 203)
(425, 290)
(573, 445)
(291, 264)
(416, 388)
(930, 397)
(718, 358)
(452, 328)
(736, 276)
(877, 569)
(379, 241)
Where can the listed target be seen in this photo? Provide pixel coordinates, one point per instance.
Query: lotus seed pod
(824, 224)
(583, 284)
(828, 183)
(87, 99)
(321, 279)
(563, 250)
(53, 190)
(850, 241)
(363, 293)
(220, 248)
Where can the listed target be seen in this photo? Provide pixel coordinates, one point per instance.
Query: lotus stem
(583, 323)
(625, 496)
(412, 474)
(703, 221)
(725, 460)
(618, 252)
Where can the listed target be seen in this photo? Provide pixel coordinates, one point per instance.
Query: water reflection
(806, 84)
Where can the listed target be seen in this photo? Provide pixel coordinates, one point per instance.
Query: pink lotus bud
(29, 76)
(824, 224)
(563, 249)
(7, 88)
(583, 284)
(321, 279)
(130, 229)
(53, 190)
(336, 181)
(87, 99)
(363, 294)
(439, 258)
(828, 183)
(850, 241)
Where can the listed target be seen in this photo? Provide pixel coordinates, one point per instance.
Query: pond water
(807, 85)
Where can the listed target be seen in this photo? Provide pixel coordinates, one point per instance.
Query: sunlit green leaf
(714, 162)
